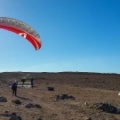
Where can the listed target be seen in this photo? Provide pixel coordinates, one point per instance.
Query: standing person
(32, 79)
(23, 81)
(14, 88)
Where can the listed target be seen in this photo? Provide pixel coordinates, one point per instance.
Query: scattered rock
(64, 97)
(15, 117)
(30, 105)
(12, 116)
(37, 106)
(18, 102)
(107, 107)
(5, 114)
(51, 88)
(39, 119)
(86, 104)
(7, 111)
(87, 118)
(3, 99)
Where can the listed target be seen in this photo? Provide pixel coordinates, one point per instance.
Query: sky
(76, 35)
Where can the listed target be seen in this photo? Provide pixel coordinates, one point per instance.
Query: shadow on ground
(23, 98)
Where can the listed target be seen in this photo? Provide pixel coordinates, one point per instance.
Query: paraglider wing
(21, 29)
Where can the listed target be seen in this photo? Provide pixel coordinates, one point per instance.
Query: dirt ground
(86, 88)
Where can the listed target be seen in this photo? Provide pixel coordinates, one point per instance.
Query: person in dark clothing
(32, 79)
(14, 88)
(23, 81)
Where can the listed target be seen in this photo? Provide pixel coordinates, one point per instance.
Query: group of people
(14, 86)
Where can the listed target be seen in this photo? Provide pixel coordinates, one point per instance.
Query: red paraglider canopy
(22, 29)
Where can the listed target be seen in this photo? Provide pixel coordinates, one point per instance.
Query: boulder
(3, 99)
(30, 105)
(17, 101)
(107, 107)
(50, 88)
(15, 117)
(64, 97)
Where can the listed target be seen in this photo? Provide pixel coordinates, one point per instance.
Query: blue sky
(77, 35)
